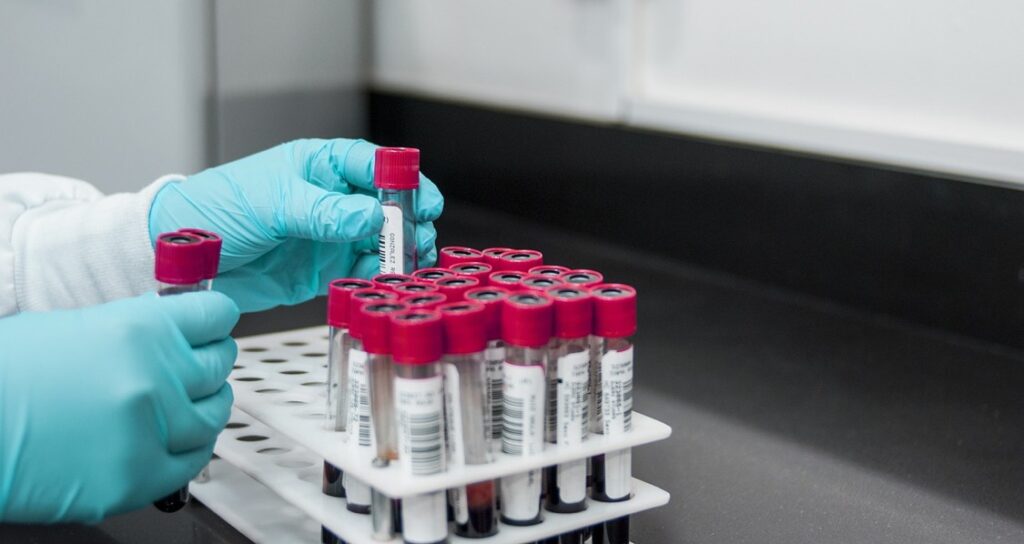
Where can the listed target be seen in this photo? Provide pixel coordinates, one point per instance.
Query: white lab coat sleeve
(65, 245)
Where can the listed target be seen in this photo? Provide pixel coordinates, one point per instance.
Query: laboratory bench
(794, 419)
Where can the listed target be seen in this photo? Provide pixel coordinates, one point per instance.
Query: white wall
(932, 84)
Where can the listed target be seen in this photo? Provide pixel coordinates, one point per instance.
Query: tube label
(571, 421)
(495, 357)
(337, 380)
(522, 409)
(359, 425)
(456, 440)
(356, 492)
(520, 496)
(391, 242)
(420, 427)
(425, 518)
(617, 404)
(596, 426)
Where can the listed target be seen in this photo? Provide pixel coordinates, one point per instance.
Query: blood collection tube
(582, 277)
(509, 279)
(414, 288)
(360, 423)
(548, 270)
(390, 281)
(181, 266)
(468, 415)
(494, 355)
(492, 255)
(419, 406)
(396, 175)
(477, 270)
(526, 323)
(425, 301)
(614, 325)
(455, 288)
(537, 282)
(452, 255)
(568, 377)
(430, 275)
(339, 298)
(520, 260)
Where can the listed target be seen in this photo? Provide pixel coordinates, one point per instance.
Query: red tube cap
(476, 269)
(396, 168)
(526, 319)
(520, 259)
(574, 311)
(339, 297)
(614, 310)
(425, 301)
(465, 327)
(458, 254)
(536, 282)
(389, 281)
(374, 325)
(180, 259)
(455, 288)
(582, 277)
(548, 270)
(508, 279)
(492, 255)
(213, 244)
(490, 298)
(414, 288)
(415, 337)
(360, 298)
(430, 275)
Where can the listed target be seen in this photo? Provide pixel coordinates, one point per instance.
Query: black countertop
(794, 420)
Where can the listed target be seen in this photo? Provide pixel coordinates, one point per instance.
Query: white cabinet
(557, 56)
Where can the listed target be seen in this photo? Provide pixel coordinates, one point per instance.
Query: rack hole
(248, 379)
(269, 390)
(294, 372)
(273, 361)
(254, 349)
(313, 384)
(314, 415)
(293, 463)
(314, 354)
(252, 438)
(294, 343)
(295, 402)
(236, 425)
(273, 451)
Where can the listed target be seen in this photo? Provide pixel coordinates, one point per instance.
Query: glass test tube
(614, 324)
(360, 417)
(339, 299)
(568, 381)
(181, 266)
(526, 322)
(494, 355)
(585, 279)
(396, 175)
(453, 255)
(419, 406)
(468, 415)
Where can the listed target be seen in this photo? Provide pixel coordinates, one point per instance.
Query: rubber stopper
(490, 298)
(492, 255)
(374, 325)
(521, 260)
(474, 269)
(451, 255)
(213, 243)
(360, 298)
(430, 275)
(526, 319)
(508, 279)
(389, 281)
(414, 288)
(581, 277)
(536, 282)
(614, 310)
(465, 327)
(339, 297)
(425, 301)
(180, 259)
(455, 288)
(574, 311)
(548, 270)
(415, 337)
(396, 168)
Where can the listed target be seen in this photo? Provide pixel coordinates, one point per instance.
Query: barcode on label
(522, 409)
(494, 397)
(617, 391)
(390, 242)
(424, 435)
(420, 427)
(359, 400)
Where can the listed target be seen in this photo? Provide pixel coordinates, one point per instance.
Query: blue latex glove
(293, 218)
(107, 408)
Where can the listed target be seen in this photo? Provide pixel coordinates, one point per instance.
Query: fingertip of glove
(350, 218)
(430, 200)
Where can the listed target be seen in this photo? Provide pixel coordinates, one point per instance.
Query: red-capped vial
(468, 408)
(568, 406)
(509, 279)
(492, 255)
(537, 282)
(491, 297)
(390, 281)
(396, 176)
(425, 301)
(181, 266)
(521, 260)
(213, 243)
(526, 326)
(614, 326)
(455, 288)
(339, 344)
(582, 277)
(452, 255)
(548, 270)
(478, 270)
(430, 275)
(416, 342)
(414, 288)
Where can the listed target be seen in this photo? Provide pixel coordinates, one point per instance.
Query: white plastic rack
(281, 440)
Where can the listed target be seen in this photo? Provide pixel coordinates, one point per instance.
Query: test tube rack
(277, 440)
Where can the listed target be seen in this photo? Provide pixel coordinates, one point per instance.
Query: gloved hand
(107, 408)
(293, 218)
